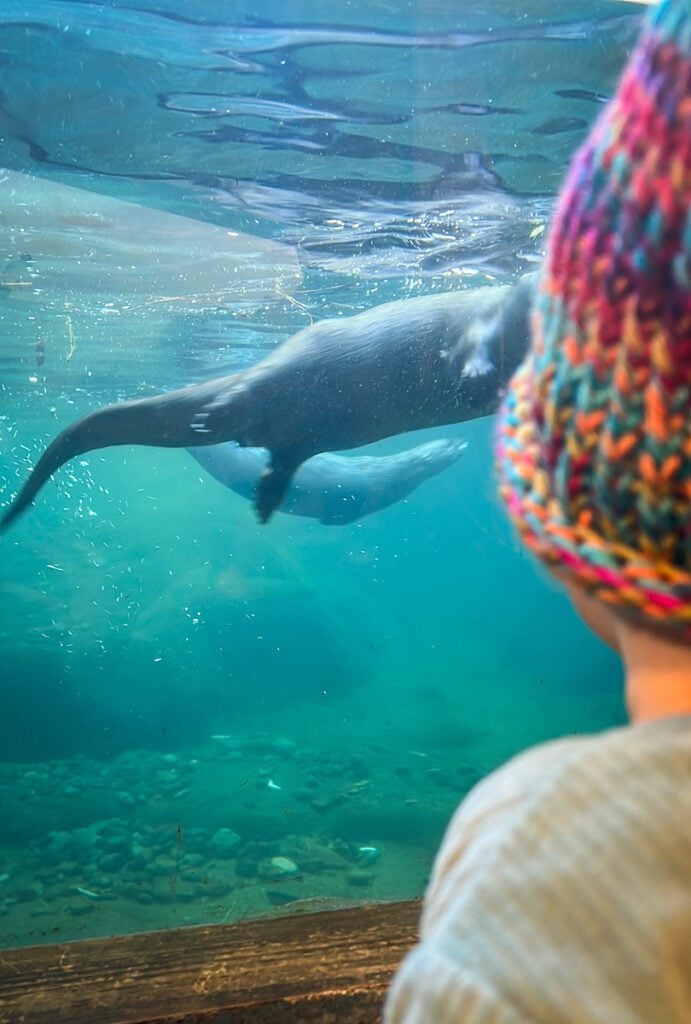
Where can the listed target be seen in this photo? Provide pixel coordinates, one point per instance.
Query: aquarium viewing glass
(203, 718)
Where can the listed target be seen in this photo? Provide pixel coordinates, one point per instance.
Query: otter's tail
(177, 419)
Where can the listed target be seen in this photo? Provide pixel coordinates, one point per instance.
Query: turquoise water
(186, 695)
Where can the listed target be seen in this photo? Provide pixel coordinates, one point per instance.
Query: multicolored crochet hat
(594, 437)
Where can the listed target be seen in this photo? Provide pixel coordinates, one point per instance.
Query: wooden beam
(326, 966)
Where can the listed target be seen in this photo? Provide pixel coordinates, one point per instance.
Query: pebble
(245, 867)
(131, 891)
(282, 745)
(359, 878)
(25, 893)
(193, 860)
(142, 854)
(278, 867)
(162, 867)
(225, 841)
(79, 909)
(215, 890)
(112, 862)
(327, 803)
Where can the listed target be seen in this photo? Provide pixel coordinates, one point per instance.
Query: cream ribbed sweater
(562, 891)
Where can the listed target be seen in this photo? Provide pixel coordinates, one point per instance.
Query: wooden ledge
(329, 966)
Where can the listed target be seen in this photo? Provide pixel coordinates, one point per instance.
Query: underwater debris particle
(89, 893)
(71, 345)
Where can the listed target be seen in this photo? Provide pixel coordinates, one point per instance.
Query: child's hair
(594, 437)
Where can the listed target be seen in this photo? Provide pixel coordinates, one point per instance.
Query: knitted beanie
(594, 435)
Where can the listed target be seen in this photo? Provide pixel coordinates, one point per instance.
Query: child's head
(594, 439)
